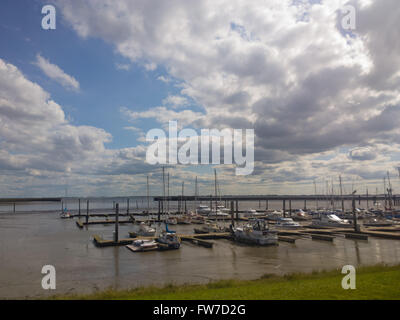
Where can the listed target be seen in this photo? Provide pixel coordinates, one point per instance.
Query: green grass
(376, 282)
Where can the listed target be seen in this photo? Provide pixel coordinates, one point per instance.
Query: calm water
(30, 240)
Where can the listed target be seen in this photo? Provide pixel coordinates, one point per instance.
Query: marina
(81, 253)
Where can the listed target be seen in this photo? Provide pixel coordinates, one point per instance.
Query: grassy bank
(377, 282)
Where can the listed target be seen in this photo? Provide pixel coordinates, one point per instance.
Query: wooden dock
(81, 224)
(198, 239)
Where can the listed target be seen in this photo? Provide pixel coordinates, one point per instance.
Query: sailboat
(65, 214)
(145, 228)
(220, 211)
(169, 240)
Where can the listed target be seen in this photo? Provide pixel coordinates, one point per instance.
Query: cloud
(285, 68)
(164, 79)
(123, 66)
(362, 154)
(56, 73)
(163, 115)
(175, 101)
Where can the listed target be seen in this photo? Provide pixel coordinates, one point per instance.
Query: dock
(198, 239)
(81, 224)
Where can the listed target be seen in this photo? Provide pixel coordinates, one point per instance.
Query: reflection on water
(29, 241)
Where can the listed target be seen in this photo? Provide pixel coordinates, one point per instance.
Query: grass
(373, 283)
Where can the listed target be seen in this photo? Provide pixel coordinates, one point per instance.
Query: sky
(77, 102)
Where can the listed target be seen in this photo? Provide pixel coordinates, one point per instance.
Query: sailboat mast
(148, 196)
(215, 186)
(332, 197)
(163, 179)
(341, 192)
(384, 190)
(389, 191)
(316, 198)
(168, 192)
(183, 188)
(195, 195)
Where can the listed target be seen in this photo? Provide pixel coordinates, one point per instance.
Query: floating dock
(81, 224)
(194, 238)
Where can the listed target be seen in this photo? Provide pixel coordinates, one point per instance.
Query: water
(28, 241)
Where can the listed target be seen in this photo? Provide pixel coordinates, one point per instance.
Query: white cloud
(284, 68)
(175, 101)
(56, 73)
(123, 66)
(164, 79)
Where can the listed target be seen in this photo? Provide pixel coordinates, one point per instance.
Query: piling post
(232, 215)
(87, 211)
(266, 204)
(116, 222)
(237, 210)
(359, 199)
(305, 205)
(284, 208)
(79, 207)
(14, 207)
(290, 208)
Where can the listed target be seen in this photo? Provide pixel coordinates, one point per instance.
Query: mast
(332, 197)
(327, 191)
(389, 191)
(316, 198)
(163, 180)
(183, 188)
(341, 192)
(168, 192)
(148, 196)
(195, 195)
(215, 186)
(384, 190)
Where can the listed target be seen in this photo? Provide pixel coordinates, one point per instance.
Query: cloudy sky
(76, 102)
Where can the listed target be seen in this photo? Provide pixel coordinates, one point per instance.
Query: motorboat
(252, 213)
(374, 222)
(197, 219)
(145, 230)
(203, 210)
(143, 245)
(256, 232)
(184, 219)
(171, 220)
(330, 221)
(209, 228)
(300, 215)
(65, 215)
(223, 209)
(218, 213)
(287, 223)
(274, 215)
(170, 240)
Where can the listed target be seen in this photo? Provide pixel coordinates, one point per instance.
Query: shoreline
(378, 282)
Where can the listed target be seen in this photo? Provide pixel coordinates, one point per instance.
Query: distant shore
(378, 282)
